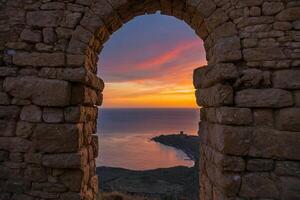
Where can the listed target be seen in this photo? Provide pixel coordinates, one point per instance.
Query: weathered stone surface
(217, 95)
(57, 138)
(263, 117)
(260, 165)
(271, 8)
(290, 188)
(80, 114)
(42, 92)
(260, 54)
(270, 143)
(8, 71)
(14, 186)
(31, 36)
(49, 35)
(33, 158)
(44, 18)
(72, 19)
(230, 139)
(286, 79)
(95, 145)
(216, 19)
(7, 128)
(24, 129)
(259, 185)
(289, 14)
(9, 112)
(70, 196)
(37, 174)
(39, 59)
(73, 179)
(62, 160)
(53, 115)
(260, 98)
(234, 116)
(31, 113)
(22, 197)
(49, 187)
(82, 95)
(15, 144)
(227, 49)
(287, 168)
(288, 119)
(53, 6)
(208, 76)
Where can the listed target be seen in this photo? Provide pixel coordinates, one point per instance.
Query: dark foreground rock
(170, 183)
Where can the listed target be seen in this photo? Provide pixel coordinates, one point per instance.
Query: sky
(149, 62)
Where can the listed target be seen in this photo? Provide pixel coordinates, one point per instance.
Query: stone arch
(249, 94)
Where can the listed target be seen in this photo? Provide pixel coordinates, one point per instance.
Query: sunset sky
(149, 63)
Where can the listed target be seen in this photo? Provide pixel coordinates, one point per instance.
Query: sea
(125, 136)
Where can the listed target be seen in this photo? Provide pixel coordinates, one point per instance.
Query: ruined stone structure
(250, 93)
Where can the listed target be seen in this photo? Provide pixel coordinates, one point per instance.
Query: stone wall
(249, 93)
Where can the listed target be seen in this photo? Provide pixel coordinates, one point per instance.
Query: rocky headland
(169, 183)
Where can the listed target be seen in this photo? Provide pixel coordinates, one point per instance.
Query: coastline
(174, 182)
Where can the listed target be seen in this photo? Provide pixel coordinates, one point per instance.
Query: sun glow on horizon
(152, 67)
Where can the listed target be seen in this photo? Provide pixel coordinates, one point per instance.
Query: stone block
(82, 95)
(287, 168)
(262, 54)
(233, 116)
(80, 114)
(95, 145)
(271, 8)
(216, 19)
(31, 36)
(289, 14)
(3, 156)
(44, 18)
(49, 187)
(15, 186)
(22, 197)
(4, 99)
(8, 71)
(53, 6)
(288, 119)
(297, 98)
(24, 129)
(289, 186)
(49, 35)
(227, 49)
(217, 95)
(229, 182)
(15, 144)
(31, 113)
(9, 112)
(57, 138)
(259, 185)
(33, 158)
(286, 79)
(36, 174)
(39, 59)
(208, 76)
(232, 140)
(270, 143)
(70, 196)
(75, 60)
(43, 92)
(53, 115)
(7, 128)
(263, 98)
(260, 165)
(62, 160)
(263, 117)
(73, 179)
(71, 20)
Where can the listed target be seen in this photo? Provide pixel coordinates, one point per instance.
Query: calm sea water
(125, 137)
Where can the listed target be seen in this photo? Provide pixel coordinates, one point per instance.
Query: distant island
(170, 183)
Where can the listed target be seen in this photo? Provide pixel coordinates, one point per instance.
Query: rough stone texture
(249, 93)
(288, 119)
(263, 98)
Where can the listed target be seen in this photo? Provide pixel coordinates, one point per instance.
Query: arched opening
(147, 66)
